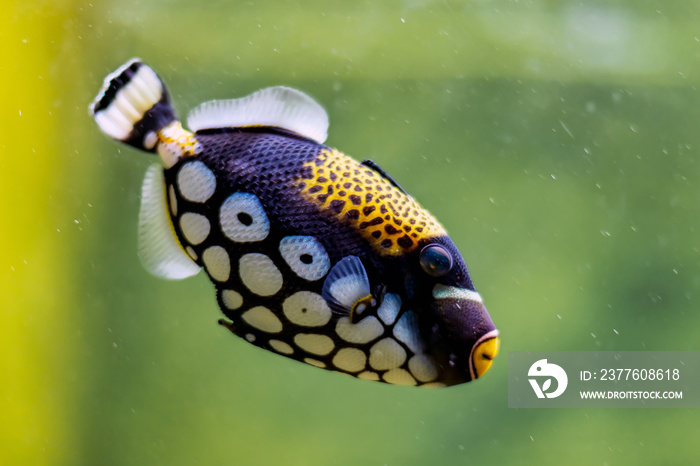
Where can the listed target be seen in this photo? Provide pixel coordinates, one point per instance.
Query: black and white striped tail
(133, 105)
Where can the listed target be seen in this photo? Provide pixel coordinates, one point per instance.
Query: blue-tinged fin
(133, 105)
(346, 287)
(281, 107)
(159, 249)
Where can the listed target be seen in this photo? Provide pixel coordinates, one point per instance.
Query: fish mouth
(482, 354)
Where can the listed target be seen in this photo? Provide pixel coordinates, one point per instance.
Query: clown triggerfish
(314, 256)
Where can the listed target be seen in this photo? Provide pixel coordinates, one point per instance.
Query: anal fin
(159, 249)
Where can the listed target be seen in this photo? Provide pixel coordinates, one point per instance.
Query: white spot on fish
(314, 344)
(243, 218)
(315, 362)
(196, 182)
(399, 377)
(281, 347)
(305, 256)
(263, 319)
(217, 263)
(194, 227)
(170, 153)
(260, 274)
(434, 385)
(406, 330)
(231, 299)
(368, 375)
(423, 368)
(386, 354)
(350, 360)
(389, 308)
(173, 200)
(307, 309)
(364, 331)
(150, 140)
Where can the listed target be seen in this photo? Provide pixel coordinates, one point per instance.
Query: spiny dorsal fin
(159, 248)
(279, 106)
(374, 166)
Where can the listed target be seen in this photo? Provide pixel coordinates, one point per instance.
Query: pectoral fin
(346, 288)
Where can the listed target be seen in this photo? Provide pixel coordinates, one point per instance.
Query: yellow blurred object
(34, 279)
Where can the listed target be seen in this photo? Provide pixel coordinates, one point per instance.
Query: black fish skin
(271, 165)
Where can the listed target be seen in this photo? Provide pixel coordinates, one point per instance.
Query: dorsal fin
(279, 106)
(374, 166)
(159, 248)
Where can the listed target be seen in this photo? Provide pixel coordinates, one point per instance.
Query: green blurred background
(556, 140)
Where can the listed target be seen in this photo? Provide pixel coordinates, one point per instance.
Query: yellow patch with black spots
(174, 142)
(391, 221)
(175, 133)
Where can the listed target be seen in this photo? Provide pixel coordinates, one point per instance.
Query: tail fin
(133, 105)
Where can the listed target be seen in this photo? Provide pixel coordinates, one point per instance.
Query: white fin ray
(278, 106)
(159, 249)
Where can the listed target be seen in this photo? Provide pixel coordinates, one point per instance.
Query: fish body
(314, 255)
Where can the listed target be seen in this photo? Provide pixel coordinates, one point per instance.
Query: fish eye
(435, 260)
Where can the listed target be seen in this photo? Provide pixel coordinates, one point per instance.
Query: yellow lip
(483, 354)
